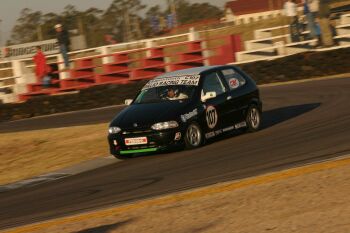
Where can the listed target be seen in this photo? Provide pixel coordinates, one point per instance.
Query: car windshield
(165, 93)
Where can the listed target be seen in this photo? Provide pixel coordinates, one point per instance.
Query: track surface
(84, 117)
(303, 123)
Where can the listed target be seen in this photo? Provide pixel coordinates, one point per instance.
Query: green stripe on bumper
(124, 152)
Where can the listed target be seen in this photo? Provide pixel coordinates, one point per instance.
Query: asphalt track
(303, 123)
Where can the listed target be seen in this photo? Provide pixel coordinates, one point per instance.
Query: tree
(26, 27)
(122, 19)
(189, 13)
(124, 25)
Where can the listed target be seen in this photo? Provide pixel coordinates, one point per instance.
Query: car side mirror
(128, 101)
(208, 95)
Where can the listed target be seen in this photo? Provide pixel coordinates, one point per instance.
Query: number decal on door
(212, 117)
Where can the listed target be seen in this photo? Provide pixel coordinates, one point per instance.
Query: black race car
(186, 108)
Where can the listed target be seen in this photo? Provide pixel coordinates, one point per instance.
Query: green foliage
(122, 19)
(26, 26)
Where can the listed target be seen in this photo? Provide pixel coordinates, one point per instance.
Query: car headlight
(114, 130)
(165, 125)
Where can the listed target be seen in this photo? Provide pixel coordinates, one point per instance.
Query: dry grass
(29, 154)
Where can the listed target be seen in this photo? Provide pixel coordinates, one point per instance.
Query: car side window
(234, 79)
(213, 83)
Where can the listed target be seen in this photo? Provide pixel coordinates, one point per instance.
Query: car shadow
(270, 118)
(273, 117)
(276, 116)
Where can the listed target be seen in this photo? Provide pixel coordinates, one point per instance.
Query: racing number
(212, 117)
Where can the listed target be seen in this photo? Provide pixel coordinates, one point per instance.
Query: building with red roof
(236, 8)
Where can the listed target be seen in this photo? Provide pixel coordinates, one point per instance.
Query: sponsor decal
(234, 83)
(29, 49)
(228, 129)
(228, 72)
(240, 125)
(211, 116)
(220, 131)
(177, 136)
(187, 80)
(210, 135)
(189, 115)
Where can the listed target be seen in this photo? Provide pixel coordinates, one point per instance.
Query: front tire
(194, 136)
(253, 119)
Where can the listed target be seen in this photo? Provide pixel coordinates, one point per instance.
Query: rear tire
(253, 119)
(194, 136)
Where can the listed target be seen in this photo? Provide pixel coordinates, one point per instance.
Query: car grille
(138, 147)
(136, 131)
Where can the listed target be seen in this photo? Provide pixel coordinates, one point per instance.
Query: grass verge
(28, 154)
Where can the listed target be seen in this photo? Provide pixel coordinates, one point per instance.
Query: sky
(10, 9)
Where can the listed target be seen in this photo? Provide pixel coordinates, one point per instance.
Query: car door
(215, 107)
(238, 96)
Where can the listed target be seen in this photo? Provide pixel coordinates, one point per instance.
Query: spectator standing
(314, 7)
(310, 10)
(327, 26)
(41, 68)
(291, 11)
(63, 42)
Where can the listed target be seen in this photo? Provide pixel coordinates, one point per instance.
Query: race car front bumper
(156, 141)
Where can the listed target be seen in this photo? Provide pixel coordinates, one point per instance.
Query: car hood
(145, 115)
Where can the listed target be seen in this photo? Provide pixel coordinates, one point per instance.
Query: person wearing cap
(63, 42)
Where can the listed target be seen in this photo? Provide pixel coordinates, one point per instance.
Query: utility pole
(127, 31)
(81, 25)
(137, 27)
(40, 33)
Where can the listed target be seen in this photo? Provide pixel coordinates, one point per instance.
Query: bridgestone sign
(28, 50)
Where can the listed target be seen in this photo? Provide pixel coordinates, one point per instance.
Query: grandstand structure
(117, 64)
(275, 42)
(141, 60)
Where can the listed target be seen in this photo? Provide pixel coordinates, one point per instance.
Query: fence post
(281, 48)
(61, 67)
(193, 35)
(17, 68)
(149, 44)
(105, 50)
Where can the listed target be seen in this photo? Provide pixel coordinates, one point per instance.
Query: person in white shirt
(291, 11)
(290, 8)
(311, 8)
(314, 6)
(172, 95)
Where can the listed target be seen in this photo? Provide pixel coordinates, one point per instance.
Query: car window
(234, 80)
(165, 93)
(213, 83)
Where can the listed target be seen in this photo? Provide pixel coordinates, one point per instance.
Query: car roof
(190, 71)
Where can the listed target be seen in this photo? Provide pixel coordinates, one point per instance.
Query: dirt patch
(27, 154)
(316, 202)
